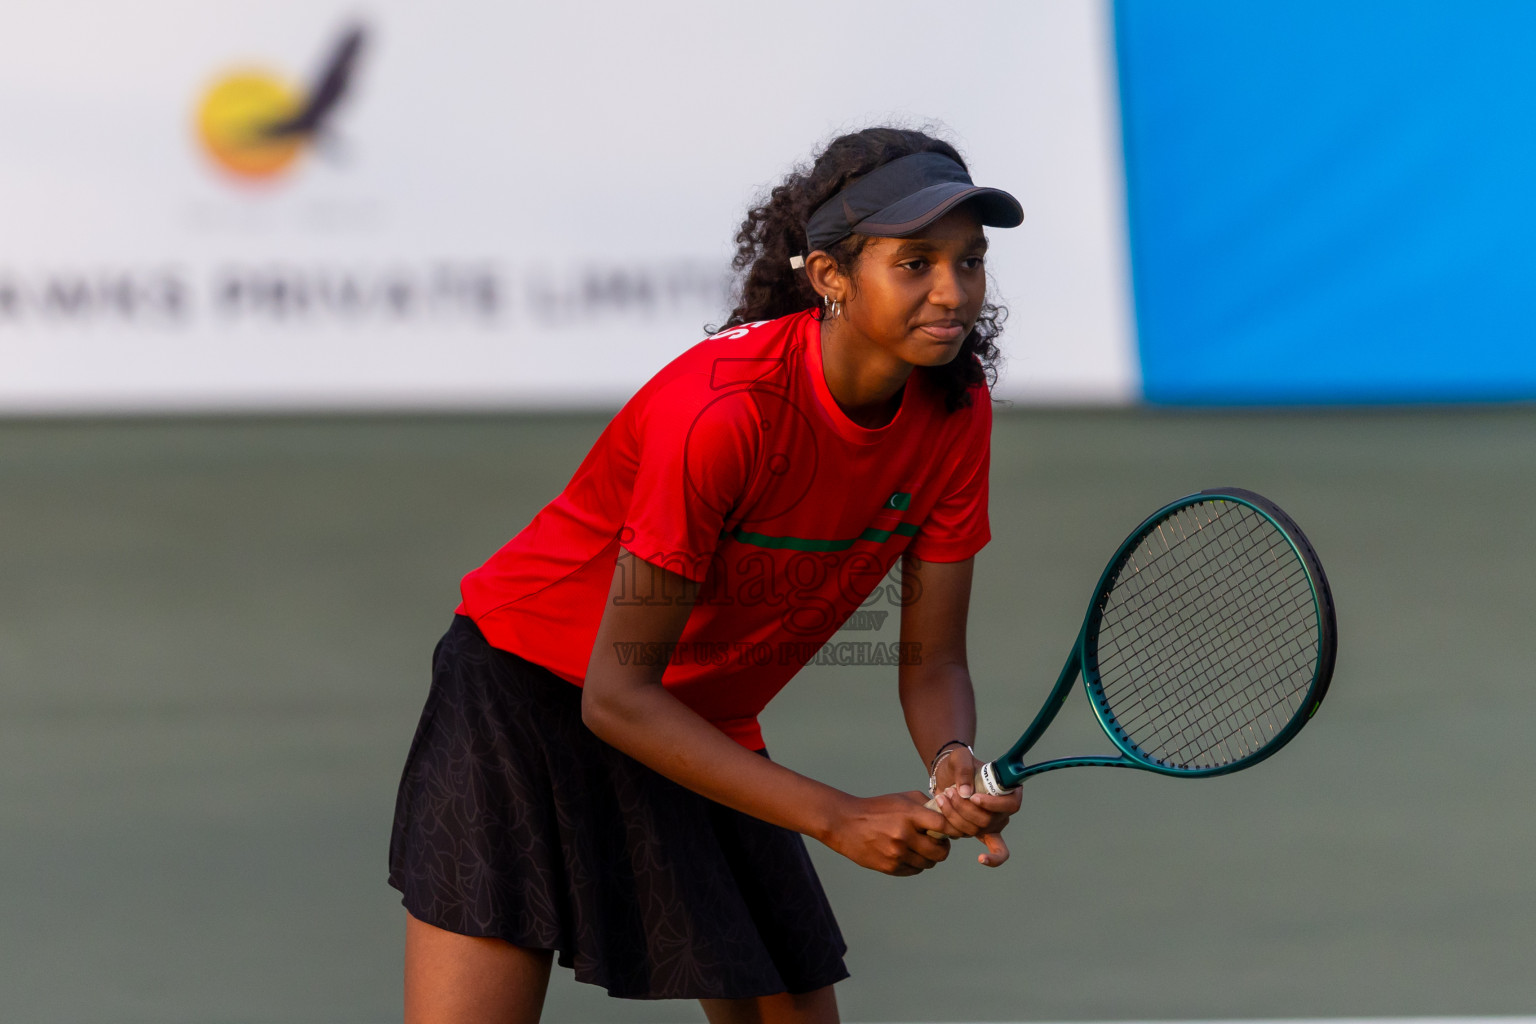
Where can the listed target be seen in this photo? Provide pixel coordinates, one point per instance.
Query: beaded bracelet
(938, 759)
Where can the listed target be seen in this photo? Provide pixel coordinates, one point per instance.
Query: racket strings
(1203, 662)
(1194, 715)
(1178, 663)
(1207, 641)
(1220, 592)
(1200, 662)
(1200, 727)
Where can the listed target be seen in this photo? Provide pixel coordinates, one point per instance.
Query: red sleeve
(696, 453)
(957, 527)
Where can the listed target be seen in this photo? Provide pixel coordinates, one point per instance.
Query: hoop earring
(834, 307)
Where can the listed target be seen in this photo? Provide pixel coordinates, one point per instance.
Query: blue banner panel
(1331, 201)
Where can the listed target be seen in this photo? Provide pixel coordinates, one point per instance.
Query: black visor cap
(903, 197)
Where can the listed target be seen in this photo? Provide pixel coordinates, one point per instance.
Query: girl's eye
(974, 263)
(915, 264)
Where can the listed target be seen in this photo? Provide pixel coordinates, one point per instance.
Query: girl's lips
(943, 331)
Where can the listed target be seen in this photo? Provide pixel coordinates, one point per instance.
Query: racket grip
(985, 782)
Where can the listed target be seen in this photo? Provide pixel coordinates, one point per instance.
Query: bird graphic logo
(254, 124)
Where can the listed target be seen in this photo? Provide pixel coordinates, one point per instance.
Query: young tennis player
(588, 778)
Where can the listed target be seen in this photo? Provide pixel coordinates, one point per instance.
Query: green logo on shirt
(900, 502)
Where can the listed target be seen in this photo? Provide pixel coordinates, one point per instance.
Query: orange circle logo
(236, 122)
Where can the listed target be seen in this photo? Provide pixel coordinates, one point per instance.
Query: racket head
(1211, 636)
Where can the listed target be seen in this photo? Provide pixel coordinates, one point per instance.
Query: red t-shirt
(735, 467)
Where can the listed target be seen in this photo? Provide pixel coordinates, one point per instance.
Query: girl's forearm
(651, 725)
(939, 705)
(625, 705)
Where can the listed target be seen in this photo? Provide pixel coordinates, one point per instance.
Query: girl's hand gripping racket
(1208, 644)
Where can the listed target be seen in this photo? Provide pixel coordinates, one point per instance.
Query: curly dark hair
(767, 287)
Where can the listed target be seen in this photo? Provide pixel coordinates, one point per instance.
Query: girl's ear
(825, 277)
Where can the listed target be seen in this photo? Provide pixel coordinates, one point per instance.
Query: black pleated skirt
(514, 821)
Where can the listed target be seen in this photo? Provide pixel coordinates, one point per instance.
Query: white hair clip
(797, 262)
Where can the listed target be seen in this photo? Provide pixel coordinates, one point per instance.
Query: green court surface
(214, 642)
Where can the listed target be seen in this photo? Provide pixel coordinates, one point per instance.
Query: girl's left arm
(938, 701)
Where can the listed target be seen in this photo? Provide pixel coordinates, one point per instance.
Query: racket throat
(993, 777)
(1007, 771)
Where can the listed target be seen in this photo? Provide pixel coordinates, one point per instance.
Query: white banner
(285, 205)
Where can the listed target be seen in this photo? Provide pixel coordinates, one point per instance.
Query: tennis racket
(1208, 644)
